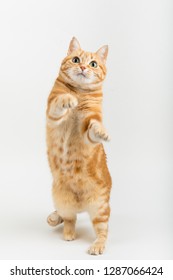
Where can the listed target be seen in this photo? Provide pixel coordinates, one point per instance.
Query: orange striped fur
(81, 180)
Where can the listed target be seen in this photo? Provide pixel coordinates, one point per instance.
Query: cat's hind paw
(54, 219)
(70, 236)
(96, 248)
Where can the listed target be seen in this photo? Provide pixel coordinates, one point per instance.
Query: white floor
(24, 233)
(31, 238)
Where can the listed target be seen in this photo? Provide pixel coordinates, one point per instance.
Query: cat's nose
(82, 67)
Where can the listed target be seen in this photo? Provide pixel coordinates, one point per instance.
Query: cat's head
(84, 69)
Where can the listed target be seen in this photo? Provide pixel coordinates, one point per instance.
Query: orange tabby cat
(81, 180)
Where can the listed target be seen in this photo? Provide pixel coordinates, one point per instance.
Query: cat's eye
(93, 64)
(75, 59)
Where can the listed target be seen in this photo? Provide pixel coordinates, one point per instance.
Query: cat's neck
(94, 89)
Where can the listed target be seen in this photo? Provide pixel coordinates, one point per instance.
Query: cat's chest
(67, 136)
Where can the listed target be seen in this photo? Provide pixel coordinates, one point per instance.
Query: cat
(81, 180)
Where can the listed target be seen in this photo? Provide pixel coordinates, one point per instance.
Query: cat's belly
(72, 192)
(68, 154)
(70, 196)
(74, 187)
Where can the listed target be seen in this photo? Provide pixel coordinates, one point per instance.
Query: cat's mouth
(81, 74)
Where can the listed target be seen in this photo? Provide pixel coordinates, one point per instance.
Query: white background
(34, 38)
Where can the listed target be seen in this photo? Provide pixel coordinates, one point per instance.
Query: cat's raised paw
(67, 101)
(96, 248)
(97, 132)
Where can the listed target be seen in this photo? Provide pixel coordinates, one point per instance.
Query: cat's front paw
(97, 133)
(67, 101)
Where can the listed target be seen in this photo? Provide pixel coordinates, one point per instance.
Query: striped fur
(81, 180)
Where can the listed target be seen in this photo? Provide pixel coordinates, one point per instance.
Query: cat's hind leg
(98, 246)
(100, 224)
(54, 219)
(69, 228)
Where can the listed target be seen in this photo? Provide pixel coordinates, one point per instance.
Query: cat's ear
(102, 53)
(74, 46)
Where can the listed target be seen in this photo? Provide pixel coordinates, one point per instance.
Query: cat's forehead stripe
(85, 56)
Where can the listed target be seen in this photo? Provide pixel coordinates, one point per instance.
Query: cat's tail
(54, 219)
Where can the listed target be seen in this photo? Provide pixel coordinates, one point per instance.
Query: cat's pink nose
(82, 67)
